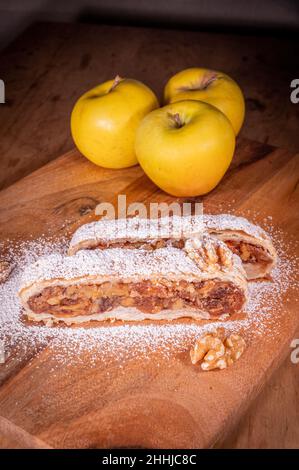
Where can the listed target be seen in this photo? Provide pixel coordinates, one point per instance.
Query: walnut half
(217, 352)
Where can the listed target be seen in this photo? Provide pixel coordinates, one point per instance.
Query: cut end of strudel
(250, 242)
(203, 280)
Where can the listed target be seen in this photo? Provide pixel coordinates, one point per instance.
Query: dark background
(53, 51)
(16, 15)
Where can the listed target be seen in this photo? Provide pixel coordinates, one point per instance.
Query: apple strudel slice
(250, 242)
(135, 232)
(203, 280)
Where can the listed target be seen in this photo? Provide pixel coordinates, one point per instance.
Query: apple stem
(176, 119)
(202, 84)
(207, 79)
(116, 81)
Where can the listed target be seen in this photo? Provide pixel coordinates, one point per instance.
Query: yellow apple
(186, 147)
(104, 121)
(212, 87)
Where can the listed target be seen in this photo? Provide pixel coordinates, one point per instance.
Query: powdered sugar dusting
(123, 342)
(138, 229)
(115, 263)
(232, 222)
(135, 228)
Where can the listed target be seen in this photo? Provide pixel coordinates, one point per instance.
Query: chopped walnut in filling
(248, 253)
(213, 296)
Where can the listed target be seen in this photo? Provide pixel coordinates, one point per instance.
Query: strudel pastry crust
(245, 239)
(203, 280)
(136, 232)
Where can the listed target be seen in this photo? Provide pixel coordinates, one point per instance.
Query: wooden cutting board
(153, 403)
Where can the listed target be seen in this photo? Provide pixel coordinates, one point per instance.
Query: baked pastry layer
(250, 242)
(202, 280)
(135, 232)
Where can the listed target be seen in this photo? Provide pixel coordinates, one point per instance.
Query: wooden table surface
(50, 65)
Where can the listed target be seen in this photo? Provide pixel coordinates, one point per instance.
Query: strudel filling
(248, 252)
(217, 297)
(143, 244)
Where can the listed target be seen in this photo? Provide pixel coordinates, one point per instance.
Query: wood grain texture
(272, 420)
(51, 65)
(13, 437)
(146, 406)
